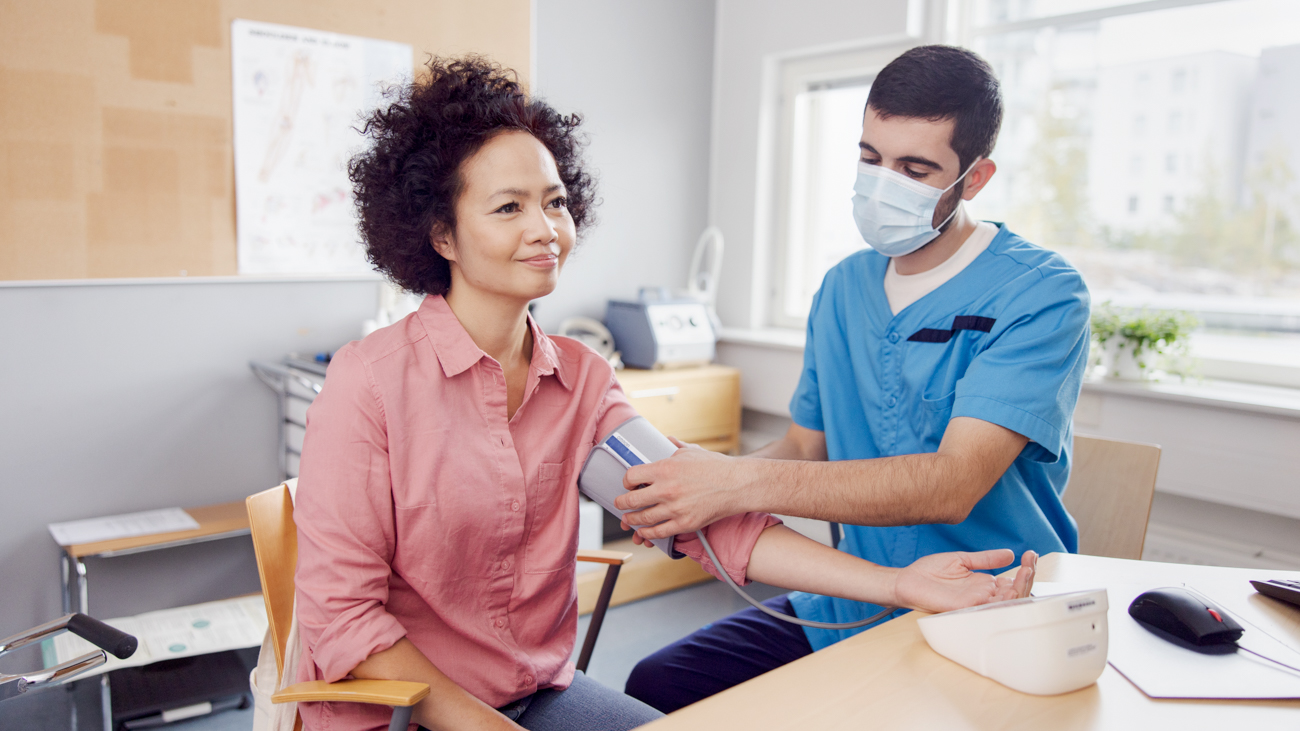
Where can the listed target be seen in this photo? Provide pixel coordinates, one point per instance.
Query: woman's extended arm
(448, 706)
(935, 583)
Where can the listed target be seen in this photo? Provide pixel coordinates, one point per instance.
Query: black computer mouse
(1185, 616)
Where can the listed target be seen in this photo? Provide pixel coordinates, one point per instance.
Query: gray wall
(123, 397)
(750, 32)
(640, 73)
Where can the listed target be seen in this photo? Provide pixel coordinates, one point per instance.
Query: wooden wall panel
(115, 120)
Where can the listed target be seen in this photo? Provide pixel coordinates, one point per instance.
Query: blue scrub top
(1005, 341)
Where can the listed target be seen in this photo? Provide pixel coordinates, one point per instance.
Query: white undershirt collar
(903, 289)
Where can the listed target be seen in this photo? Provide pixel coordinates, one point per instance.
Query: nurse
(941, 370)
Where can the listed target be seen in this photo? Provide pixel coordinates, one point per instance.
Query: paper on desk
(149, 522)
(167, 634)
(1162, 669)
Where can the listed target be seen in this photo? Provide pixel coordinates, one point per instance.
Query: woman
(437, 513)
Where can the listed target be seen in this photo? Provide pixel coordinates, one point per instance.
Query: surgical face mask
(894, 213)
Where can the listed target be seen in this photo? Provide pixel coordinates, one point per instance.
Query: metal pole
(106, 702)
(65, 570)
(401, 718)
(83, 586)
(598, 615)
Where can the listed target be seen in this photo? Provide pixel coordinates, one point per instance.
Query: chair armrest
(618, 558)
(381, 692)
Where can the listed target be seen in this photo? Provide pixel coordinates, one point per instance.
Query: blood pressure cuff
(631, 443)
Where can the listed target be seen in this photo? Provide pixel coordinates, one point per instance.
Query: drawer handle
(652, 392)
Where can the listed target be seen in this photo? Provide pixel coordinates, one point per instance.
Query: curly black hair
(407, 182)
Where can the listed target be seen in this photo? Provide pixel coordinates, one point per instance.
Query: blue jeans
(584, 706)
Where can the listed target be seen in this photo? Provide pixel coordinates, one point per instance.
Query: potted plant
(1130, 341)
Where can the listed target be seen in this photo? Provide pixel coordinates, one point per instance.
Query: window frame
(794, 76)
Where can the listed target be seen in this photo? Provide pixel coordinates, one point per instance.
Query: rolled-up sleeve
(344, 516)
(732, 538)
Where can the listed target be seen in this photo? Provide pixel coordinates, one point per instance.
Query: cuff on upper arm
(352, 637)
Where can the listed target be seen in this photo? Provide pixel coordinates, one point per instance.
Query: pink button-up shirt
(424, 513)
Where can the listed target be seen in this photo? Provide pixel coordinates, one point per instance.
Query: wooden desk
(889, 678)
(226, 520)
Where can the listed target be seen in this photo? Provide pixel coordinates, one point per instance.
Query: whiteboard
(299, 96)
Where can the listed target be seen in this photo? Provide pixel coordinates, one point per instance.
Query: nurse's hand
(682, 493)
(945, 581)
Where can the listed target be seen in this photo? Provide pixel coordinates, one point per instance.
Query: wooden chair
(1109, 494)
(275, 541)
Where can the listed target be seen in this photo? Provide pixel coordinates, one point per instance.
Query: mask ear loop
(954, 184)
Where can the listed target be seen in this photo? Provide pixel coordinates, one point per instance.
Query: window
(1091, 87)
(1220, 232)
(820, 115)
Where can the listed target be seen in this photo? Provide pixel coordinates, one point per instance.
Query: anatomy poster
(299, 98)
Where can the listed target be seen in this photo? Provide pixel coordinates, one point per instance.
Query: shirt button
(893, 337)
(505, 565)
(893, 402)
(528, 680)
(501, 622)
(515, 506)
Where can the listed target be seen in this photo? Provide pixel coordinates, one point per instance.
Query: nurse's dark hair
(407, 181)
(943, 82)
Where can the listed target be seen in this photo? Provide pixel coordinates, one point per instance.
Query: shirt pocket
(935, 415)
(552, 539)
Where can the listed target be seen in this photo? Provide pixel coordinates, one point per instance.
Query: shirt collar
(457, 351)
(545, 358)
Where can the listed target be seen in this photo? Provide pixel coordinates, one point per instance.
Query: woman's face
(513, 229)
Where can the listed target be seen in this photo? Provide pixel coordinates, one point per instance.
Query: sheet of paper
(1162, 669)
(299, 95)
(149, 522)
(199, 629)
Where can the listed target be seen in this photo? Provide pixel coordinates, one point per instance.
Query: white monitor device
(1039, 645)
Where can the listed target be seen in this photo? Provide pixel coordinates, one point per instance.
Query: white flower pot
(1120, 362)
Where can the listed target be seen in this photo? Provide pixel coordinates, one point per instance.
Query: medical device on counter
(1039, 645)
(594, 335)
(661, 331)
(636, 442)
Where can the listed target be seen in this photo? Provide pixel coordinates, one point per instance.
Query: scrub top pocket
(935, 415)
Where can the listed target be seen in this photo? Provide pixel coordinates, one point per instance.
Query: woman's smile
(543, 261)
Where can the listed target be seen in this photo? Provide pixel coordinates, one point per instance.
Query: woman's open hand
(946, 581)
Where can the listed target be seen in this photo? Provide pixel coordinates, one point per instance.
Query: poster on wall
(300, 96)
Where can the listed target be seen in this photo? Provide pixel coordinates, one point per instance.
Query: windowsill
(1223, 394)
(1273, 400)
(778, 338)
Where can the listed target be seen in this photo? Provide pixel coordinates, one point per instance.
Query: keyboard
(1283, 589)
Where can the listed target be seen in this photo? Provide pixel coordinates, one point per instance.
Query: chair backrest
(1109, 494)
(275, 540)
